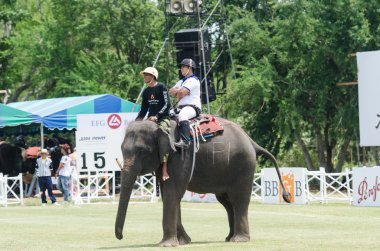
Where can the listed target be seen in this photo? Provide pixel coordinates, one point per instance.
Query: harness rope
(195, 129)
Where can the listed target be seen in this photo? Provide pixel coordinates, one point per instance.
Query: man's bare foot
(165, 177)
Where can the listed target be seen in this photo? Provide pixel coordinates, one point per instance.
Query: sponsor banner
(195, 197)
(369, 102)
(366, 186)
(294, 182)
(99, 138)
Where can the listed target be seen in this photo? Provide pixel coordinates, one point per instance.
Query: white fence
(332, 186)
(90, 187)
(96, 186)
(11, 190)
(145, 188)
(93, 187)
(320, 186)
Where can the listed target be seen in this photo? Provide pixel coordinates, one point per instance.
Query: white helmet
(150, 70)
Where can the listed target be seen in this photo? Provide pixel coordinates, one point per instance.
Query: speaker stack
(188, 45)
(182, 7)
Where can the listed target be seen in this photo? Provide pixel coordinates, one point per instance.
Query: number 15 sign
(98, 140)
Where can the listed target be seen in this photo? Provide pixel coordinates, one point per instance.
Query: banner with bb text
(98, 140)
(366, 186)
(294, 182)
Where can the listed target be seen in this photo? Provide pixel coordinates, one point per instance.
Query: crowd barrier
(320, 186)
(11, 190)
(96, 186)
(92, 187)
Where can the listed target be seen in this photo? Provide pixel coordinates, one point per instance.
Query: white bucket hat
(44, 151)
(150, 70)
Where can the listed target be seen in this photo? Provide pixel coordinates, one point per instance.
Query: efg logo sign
(114, 121)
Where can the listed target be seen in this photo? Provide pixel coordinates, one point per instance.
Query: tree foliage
(288, 57)
(67, 48)
(296, 58)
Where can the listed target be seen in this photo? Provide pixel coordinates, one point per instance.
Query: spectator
(44, 177)
(73, 164)
(64, 171)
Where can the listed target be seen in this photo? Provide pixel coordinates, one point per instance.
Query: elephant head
(141, 156)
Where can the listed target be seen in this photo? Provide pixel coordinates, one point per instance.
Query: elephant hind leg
(240, 202)
(223, 199)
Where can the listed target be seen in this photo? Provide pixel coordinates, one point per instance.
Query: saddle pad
(206, 125)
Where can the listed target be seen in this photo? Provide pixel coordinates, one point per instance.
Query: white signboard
(196, 197)
(99, 138)
(294, 182)
(369, 101)
(366, 186)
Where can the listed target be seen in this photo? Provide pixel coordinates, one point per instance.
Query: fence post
(323, 184)
(2, 190)
(21, 189)
(348, 185)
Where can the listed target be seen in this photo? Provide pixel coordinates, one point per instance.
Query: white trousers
(186, 113)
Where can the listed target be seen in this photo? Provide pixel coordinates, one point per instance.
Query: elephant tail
(262, 151)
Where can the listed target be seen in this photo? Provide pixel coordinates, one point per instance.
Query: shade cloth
(61, 113)
(10, 116)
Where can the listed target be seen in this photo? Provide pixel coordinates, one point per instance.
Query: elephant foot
(228, 238)
(184, 239)
(172, 242)
(239, 238)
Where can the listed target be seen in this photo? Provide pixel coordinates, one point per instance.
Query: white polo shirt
(66, 169)
(194, 86)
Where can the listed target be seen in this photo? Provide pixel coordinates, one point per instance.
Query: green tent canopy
(10, 116)
(61, 113)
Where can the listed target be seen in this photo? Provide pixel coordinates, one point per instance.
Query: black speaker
(188, 45)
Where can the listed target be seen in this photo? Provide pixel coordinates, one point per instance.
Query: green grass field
(273, 227)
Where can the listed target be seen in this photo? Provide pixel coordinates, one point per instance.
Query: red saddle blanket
(206, 125)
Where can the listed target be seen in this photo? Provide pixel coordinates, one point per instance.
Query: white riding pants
(186, 113)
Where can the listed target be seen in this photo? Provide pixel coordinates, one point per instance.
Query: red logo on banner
(367, 191)
(114, 121)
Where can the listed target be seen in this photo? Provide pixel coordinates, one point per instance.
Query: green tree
(69, 48)
(295, 61)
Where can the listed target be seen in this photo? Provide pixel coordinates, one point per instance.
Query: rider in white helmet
(188, 93)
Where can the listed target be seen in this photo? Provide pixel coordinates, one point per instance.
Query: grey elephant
(224, 166)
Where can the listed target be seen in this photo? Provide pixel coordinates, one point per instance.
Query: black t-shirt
(156, 100)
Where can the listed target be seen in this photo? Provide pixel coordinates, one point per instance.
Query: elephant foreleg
(182, 236)
(223, 199)
(170, 215)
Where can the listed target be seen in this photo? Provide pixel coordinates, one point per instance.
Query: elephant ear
(166, 140)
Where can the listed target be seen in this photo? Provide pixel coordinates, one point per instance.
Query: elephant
(224, 166)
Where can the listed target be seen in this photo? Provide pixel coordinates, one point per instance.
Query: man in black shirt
(156, 103)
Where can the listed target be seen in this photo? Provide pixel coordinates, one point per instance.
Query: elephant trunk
(128, 179)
